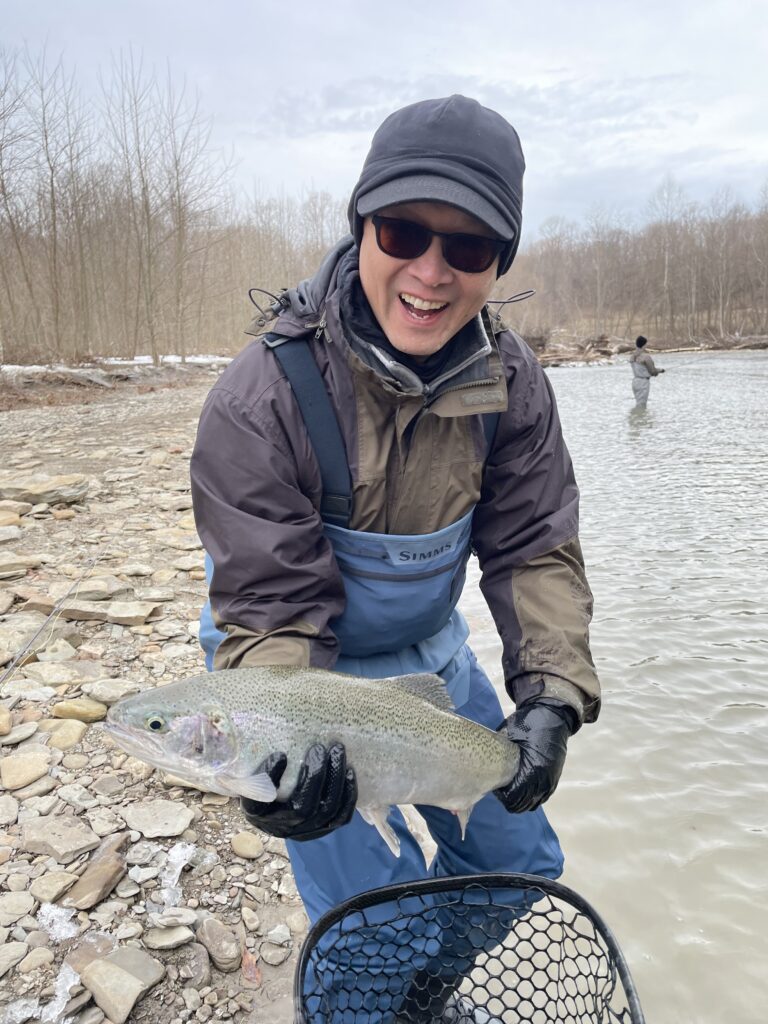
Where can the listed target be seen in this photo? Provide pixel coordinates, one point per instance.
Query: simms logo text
(423, 556)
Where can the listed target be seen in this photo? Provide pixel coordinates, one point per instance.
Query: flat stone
(37, 488)
(104, 821)
(119, 980)
(9, 518)
(18, 881)
(11, 953)
(221, 944)
(9, 809)
(36, 789)
(250, 919)
(155, 818)
(172, 917)
(11, 563)
(44, 804)
(114, 990)
(35, 959)
(128, 930)
(126, 887)
(188, 562)
(26, 766)
(247, 845)
(297, 921)
(109, 691)
(138, 963)
(105, 869)
(108, 785)
(53, 884)
(28, 690)
(103, 588)
(195, 965)
(18, 734)
(157, 594)
(93, 946)
(22, 626)
(15, 905)
(76, 796)
(141, 875)
(274, 955)
(65, 733)
(167, 938)
(21, 508)
(77, 1003)
(6, 721)
(280, 935)
(83, 709)
(135, 569)
(63, 838)
(59, 650)
(143, 853)
(61, 673)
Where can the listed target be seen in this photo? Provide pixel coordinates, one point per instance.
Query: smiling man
(346, 465)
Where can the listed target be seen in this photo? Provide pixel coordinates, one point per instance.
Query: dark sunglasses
(406, 240)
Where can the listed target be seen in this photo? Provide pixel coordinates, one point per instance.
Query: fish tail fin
(377, 816)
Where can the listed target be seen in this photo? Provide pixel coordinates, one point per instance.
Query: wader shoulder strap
(298, 364)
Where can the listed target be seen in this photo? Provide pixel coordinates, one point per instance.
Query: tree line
(691, 273)
(121, 234)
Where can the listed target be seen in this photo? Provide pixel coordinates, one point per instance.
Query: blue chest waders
(400, 617)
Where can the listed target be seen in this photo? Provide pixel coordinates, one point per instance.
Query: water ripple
(662, 810)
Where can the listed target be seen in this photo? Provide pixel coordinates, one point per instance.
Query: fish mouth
(142, 747)
(145, 748)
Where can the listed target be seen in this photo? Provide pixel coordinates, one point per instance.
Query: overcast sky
(608, 97)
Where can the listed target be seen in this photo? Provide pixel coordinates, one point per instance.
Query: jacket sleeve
(648, 363)
(525, 533)
(255, 486)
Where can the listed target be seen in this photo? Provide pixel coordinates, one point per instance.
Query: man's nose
(431, 267)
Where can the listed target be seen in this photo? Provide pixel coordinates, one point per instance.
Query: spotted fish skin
(401, 734)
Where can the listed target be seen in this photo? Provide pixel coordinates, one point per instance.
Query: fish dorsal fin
(427, 686)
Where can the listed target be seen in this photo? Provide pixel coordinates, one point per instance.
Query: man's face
(399, 289)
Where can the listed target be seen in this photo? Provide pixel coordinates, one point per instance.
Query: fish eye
(156, 723)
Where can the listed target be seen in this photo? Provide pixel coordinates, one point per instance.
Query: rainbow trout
(402, 736)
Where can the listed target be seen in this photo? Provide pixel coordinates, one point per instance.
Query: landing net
(477, 949)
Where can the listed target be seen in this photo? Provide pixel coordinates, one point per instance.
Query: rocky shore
(124, 895)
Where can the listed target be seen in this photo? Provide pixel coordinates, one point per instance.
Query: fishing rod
(51, 617)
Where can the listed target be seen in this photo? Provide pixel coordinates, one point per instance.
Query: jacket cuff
(530, 687)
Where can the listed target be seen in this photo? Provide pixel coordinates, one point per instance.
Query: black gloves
(324, 797)
(541, 728)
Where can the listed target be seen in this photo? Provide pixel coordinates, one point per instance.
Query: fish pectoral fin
(377, 816)
(255, 787)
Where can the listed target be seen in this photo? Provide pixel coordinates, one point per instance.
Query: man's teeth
(421, 303)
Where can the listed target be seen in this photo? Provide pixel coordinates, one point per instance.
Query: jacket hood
(301, 308)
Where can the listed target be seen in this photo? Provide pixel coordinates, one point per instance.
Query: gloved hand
(541, 728)
(324, 797)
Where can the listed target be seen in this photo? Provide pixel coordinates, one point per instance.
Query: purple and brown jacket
(419, 461)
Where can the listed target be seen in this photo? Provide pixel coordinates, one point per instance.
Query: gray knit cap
(450, 150)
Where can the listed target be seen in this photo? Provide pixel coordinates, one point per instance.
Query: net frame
(538, 953)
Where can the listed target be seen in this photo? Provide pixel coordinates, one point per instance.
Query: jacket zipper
(468, 385)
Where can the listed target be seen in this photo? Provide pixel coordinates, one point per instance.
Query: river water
(662, 810)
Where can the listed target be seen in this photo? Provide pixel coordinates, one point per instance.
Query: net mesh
(465, 951)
